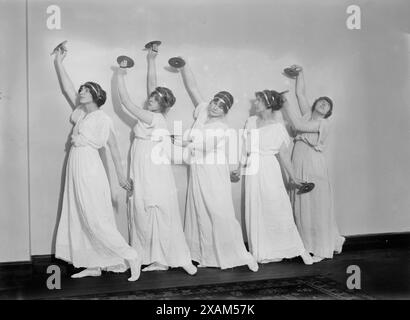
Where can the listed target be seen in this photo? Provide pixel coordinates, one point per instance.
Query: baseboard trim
(353, 242)
(377, 241)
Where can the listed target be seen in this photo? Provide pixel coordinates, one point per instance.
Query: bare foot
(190, 269)
(271, 260)
(135, 266)
(89, 272)
(155, 267)
(307, 259)
(317, 259)
(253, 265)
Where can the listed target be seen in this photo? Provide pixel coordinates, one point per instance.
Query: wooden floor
(385, 274)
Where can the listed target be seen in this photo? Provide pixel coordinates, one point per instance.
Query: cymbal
(176, 62)
(59, 46)
(153, 44)
(125, 62)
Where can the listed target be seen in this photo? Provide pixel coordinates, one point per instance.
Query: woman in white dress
(87, 234)
(271, 230)
(314, 211)
(213, 233)
(157, 229)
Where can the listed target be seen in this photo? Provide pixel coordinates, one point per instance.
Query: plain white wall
(14, 209)
(239, 46)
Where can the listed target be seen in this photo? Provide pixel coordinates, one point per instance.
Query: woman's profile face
(153, 103)
(259, 105)
(322, 107)
(85, 95)
(215, 109)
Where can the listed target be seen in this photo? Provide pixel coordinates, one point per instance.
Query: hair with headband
(329, 101)
(271, 98)
(226, 98)
(98, 94)
(165, 97)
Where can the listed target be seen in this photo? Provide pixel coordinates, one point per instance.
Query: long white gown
(314, 211)
(214, 234)
(157, 225)
(87, 233)
(271, 230)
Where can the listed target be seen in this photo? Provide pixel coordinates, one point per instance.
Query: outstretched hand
(60, 54)
(152, 53)
(296, 182)
(125, 184)
(297, 68)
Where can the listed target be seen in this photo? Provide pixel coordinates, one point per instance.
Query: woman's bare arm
(191, 85)
(67, 86)
(136, 111)
(297, 121)
(300, 89)
(284, 158)
(116, 157)
(151, 72)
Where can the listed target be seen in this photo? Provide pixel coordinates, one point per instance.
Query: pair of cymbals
(306, 187)
(125, 62)
(61, 46)
(176, 62)
(153, 44)
(291, 72)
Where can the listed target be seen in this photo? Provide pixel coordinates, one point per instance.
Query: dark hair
(164, 96)
(271, 98)
(226, 98)
(98, 94)
(329, 101)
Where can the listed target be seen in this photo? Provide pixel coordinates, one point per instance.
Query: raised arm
(297, 121)
(151, 72)
(66, 85)
(115, 154)
(136, 111)
(303, 102)
(191, 85)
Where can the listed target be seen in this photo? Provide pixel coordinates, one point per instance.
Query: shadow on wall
(62, 187)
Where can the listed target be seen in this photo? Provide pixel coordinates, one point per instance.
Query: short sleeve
(283, 135)
(200, 112)
(106, 127)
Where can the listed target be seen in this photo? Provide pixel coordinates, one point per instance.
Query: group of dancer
(278, 226)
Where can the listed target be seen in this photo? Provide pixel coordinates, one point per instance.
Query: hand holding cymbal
(306, 187)
(125, 62)
(291, 72)
(60, 47)
(176, 62)
(153, 45)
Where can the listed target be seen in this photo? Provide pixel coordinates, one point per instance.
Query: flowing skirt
(314, 213)
(87, 233)
(214, 234)
(157, 224)
(271, 230)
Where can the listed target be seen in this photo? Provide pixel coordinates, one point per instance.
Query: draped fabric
(271, 230)
(87, 233)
